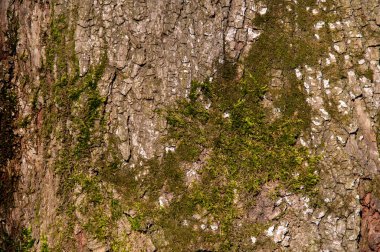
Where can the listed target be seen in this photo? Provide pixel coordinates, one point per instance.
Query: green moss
(26, 241)
(368, 73)
(99, 225)
(44, 246)
(24, 122)
(135, 223)
(73, 114)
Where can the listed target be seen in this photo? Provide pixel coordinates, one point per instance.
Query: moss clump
(368, 73)
(44, 246)
(26, 242)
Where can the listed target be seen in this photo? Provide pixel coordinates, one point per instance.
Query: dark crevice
(9, 142)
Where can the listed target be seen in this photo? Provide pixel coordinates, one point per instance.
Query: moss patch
(237, 144)
(223, 134)
(74, 127)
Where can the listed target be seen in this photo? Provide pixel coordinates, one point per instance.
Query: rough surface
(154, 50)
(370, 224)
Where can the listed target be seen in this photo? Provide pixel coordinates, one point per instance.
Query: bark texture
(128, 59)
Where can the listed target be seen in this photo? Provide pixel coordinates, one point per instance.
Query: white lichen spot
(253, 34)
(338, 24)
(355, 34)
(191, 173)
(319, 25)
(298, 73)
(325, 114)
(263, 11)
(363, 79)
(317, 122)
(307, 87)
(316, 36)
(308, 68)
(358, 211)
(214, 227)
(269, 231)
(253, 239)
(231, 34)
(361, 62)
(347, 23)
(319, 75)
(308, 211)
(196, 216)
(328, 61)
(326, 83)
(203, 226)
(306, 200)
(280, 233)
(207, 106)
(142, 153)
(351, 73)
(332, 57)
(169, 149)
(342, 104)
(332, 26)
(337, 48)
(338, 90)
(341, 139)
(185, 59)
(315, 12)
(239, 18)
(163, 201)
(226, 115)
(278, 202)
(321, 214)
(368, 92)
(303, 143)
(289, 200)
